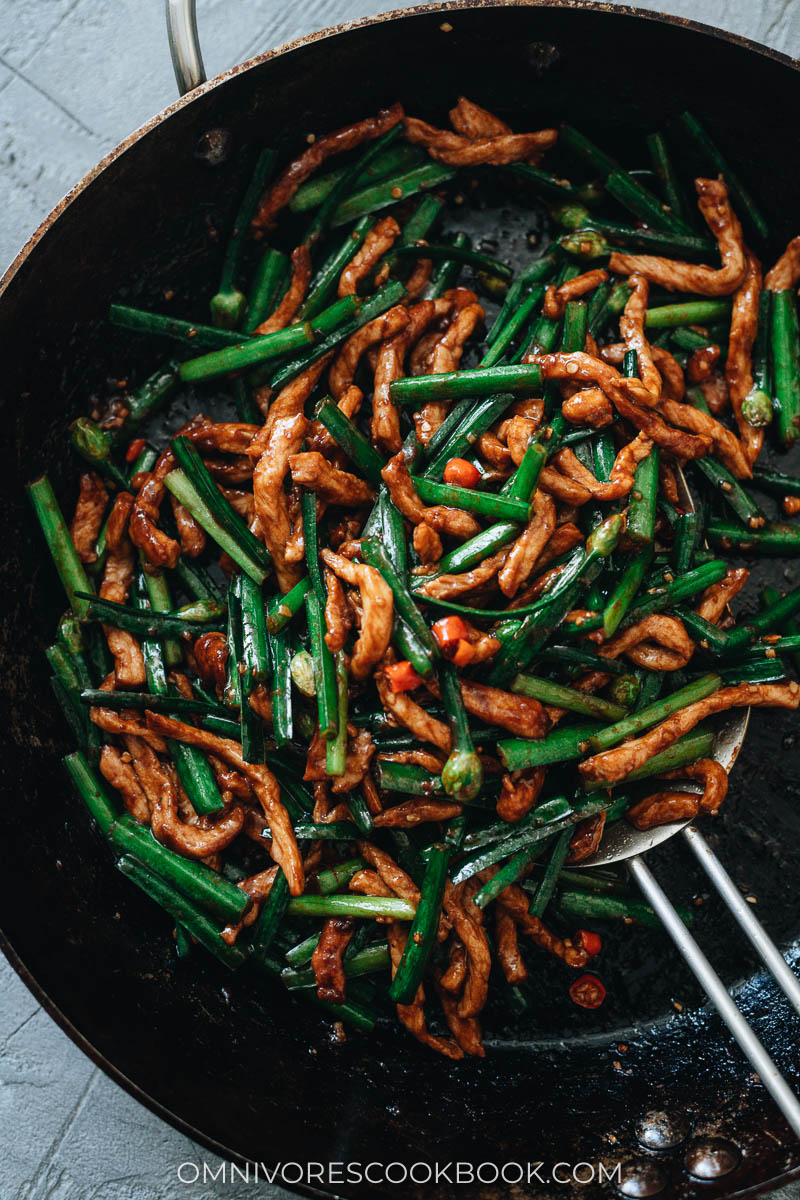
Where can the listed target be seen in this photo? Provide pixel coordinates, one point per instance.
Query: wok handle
(184, 45)
(742, 913)
(717, 993)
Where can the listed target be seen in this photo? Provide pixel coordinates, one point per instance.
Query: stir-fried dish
(363, 668)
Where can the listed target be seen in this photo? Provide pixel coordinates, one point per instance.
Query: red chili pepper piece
(135, 448)
(587, 992)
(452, 635)
(402, 677)
(448, 631)
(461, 473)
(463, 654)
(591, 942)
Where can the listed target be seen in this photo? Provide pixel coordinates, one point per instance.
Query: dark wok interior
(234, 1062)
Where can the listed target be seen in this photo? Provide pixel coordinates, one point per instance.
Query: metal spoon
(624, 843)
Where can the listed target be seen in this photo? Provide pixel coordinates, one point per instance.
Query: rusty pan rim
(149, 127)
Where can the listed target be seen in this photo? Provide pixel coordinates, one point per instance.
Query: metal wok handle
(184, 45)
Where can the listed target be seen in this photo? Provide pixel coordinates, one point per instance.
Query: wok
(241, 1068)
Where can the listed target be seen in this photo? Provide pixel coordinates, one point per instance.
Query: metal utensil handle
(743, 914)
(717, 993)
(184, 45)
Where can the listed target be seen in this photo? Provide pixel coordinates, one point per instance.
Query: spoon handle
(717, 993)
(743, 914)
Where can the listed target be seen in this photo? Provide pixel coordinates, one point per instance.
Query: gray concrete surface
(76, 76)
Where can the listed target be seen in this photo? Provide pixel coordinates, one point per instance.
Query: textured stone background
(76, 76)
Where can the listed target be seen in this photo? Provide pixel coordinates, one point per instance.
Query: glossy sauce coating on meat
(460, 151)
(294, 295)
(612, 765)
(88, 517)
(326, 961)
(350, 136)
(714, 204)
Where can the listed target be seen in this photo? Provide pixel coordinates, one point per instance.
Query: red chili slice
(461, 473)
(587, 992)
(402, 677)
(135, 448)
(591, 942)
